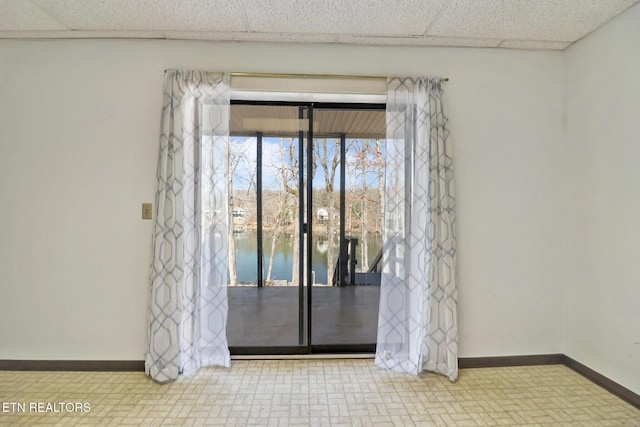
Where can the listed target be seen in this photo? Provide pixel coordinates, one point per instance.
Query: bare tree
(234, 160)
(279, 222)
(237, 155)
(379, 164)
(289, 176)
(329, 163)
(364, 244)
(367, 163)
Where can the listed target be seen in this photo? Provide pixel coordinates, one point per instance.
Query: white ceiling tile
(22, 15)
(557, 20)
(358, 17)
(517, 24)
(193, 15)
(532, 44)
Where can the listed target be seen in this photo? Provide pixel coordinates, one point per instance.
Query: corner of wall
(601, 100)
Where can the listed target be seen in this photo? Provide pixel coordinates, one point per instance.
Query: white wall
(78, 146)
(603, 194)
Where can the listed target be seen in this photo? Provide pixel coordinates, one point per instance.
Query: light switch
(147, 211)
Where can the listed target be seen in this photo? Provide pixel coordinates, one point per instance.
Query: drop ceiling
(519, 24)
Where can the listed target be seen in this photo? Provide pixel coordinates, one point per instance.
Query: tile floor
(313, 392)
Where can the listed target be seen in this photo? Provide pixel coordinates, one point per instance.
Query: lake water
(246, 256)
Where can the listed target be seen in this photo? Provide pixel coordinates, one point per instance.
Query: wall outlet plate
(147, 211)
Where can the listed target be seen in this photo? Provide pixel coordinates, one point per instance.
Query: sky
(245, 148)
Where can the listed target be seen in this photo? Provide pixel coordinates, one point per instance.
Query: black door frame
(305, 227)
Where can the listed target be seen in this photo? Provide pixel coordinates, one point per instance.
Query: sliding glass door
(267, 255)
(347, 186)
(305, 184)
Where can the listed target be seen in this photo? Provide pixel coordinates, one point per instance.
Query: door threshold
(303, 356)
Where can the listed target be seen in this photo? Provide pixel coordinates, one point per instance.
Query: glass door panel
(266, 301)
(348, 189)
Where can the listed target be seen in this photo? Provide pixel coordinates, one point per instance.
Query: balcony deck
(268, 316)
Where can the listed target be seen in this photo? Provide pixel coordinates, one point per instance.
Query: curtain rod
(313, 76)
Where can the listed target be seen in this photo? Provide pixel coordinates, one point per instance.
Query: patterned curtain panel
(417, 324)
(189, 275)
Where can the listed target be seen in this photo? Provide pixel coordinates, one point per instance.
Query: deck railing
(344, 273)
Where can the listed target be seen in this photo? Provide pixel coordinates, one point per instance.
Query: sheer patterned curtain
(417, 324)
(189, 275)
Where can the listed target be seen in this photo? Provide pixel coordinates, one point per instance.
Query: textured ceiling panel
(357, 17)
(192, 15)
(17, 15)
(515, 24)
(556, 20)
